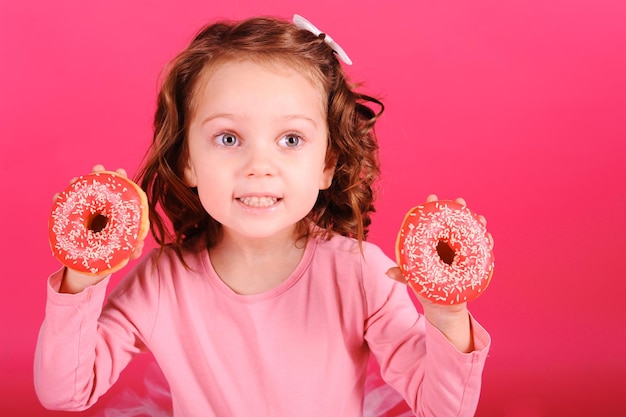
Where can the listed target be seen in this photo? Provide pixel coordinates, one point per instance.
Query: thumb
(395, 273)
(138, 249)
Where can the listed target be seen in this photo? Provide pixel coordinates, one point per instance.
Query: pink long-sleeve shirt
(300, 349)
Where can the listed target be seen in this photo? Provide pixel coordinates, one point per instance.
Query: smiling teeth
(259, 201)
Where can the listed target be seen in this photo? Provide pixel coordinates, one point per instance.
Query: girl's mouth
(255, 201)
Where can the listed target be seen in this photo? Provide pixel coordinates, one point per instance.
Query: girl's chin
(261, 231)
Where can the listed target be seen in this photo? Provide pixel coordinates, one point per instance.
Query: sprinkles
(444, 252)
(96, 223)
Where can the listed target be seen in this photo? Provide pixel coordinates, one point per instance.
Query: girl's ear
(328, 173)
(191, 179)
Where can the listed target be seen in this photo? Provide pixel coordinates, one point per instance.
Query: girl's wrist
(454, 322)
(74, 282)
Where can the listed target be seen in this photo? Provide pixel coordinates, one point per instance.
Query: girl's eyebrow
(217, 116)
(301, 117)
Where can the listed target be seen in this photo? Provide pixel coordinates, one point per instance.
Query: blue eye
(227, 139)
(290, 141)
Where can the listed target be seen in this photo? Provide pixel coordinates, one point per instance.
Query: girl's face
(257, 148)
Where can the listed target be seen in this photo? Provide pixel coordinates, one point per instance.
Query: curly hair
(344, 208)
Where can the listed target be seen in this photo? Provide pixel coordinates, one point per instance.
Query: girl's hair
(344, 208)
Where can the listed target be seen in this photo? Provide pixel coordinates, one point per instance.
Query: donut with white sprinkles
(444, 252)
(97, 222)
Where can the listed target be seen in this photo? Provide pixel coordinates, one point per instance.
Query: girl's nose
(261, 161)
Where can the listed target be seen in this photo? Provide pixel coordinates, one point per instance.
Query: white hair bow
(302, 23)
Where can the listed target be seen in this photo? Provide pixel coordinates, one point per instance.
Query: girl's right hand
(74, 282)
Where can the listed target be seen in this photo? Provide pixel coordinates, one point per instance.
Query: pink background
(518, 106)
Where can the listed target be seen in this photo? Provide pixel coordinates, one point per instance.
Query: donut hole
(97, 222)
(445, 252)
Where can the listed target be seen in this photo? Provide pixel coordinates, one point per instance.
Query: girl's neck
(253, 266)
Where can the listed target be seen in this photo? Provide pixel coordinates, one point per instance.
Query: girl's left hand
(452, 320)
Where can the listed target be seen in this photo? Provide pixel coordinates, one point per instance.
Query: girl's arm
(451, 320)
(82, 346)
(435, 360)
(65, 355)
(74, 346)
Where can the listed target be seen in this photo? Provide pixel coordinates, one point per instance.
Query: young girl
(264, 298)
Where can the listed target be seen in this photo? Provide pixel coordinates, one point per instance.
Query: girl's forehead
(216, 73)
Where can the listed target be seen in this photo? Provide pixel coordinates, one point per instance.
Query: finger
(138, 249)
(482, 220)
(431, 198)
(122, 172)
(461, 201)
(396, 274)
(491, 242)
(423, 300)
(56, 195)
(98, 168)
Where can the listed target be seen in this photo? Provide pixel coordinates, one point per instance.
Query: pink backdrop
(518, 106)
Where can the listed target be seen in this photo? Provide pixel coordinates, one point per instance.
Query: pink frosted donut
(444, 252)
(97, 222)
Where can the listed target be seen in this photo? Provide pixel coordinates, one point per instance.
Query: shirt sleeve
(82, 349)
(415, 357)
